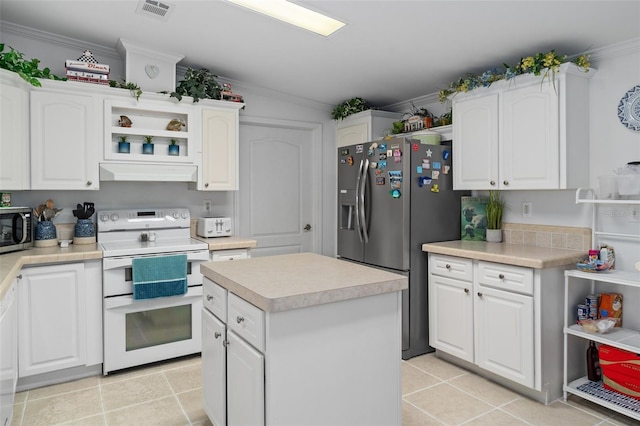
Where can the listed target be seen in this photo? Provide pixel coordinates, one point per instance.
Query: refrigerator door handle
(363, 212)
(358, 222)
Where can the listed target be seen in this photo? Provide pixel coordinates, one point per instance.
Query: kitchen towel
(160, 276)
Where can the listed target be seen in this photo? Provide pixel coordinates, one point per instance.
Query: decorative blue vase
(45, 230)
(84, 228)
(147, 148)
(124, 147)
(174, 149)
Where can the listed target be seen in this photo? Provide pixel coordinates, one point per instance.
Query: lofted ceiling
(390, 51)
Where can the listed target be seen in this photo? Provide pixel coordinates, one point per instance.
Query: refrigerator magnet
(445, 154)
(379, 172)
(373, 145)
(383, 156)
(373, 165)
(371, 152)
(437, 165)
(380, 180)
(382, 165)
(425, 181)
(446, 169)
(396, 193)
(359, 149)
(344, 152)
(435, 188)
(397, 152)
(435, 175)
(350, 160)
(419, 170)
(343, 161)
(382, 147)
(389, 153)
(429, 153)
(426, 163)
(415, 147)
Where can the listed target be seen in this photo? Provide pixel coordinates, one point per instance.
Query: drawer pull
(479, 294)
(466, 290)
(239, 319)
(209, 297)
(447, 266)
(501, 276)
(217, 334)
(225, 343)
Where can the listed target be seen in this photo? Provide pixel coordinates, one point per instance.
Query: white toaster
(214, 227)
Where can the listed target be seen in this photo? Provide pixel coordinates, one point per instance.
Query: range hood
(148, 172)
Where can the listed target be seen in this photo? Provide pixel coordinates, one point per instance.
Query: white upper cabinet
(526, 133)
(65, 139)
(220, 146)
(14, 131)
(364, 126)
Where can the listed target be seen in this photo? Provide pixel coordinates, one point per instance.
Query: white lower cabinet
(8, 354)
(60, 317)
(491, 315)
(233, 370)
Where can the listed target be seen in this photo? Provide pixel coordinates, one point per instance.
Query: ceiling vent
(155, 9)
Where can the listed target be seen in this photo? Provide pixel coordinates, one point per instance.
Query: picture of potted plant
(124, 147)
(494, 209)
(147, 146)
(174, 148)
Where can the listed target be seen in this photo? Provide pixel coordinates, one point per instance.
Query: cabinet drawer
(505, 277)
(214, 298)
(224, 255)
(453, 267)
(246, 320)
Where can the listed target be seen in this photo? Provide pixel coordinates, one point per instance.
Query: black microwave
(15, 229)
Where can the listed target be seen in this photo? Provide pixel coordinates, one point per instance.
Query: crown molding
(623, 48)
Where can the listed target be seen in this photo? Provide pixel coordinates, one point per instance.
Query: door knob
(307, 227)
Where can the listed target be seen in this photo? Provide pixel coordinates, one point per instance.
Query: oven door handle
(126, 301)
(120, 262)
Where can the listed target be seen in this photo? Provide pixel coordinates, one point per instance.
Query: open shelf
(595, 392)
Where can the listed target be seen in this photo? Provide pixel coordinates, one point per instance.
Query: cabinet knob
(225, 343)
(466, 291)
(239, 319)
(19, 277)
(447, 266)
(479, 294)
(209, 297)
(506, 183)
(217, 334)
(89, 183)
(492, 183)
(501, 276)
(206, 185)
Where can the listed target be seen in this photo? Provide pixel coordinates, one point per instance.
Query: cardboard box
(473, 222)
(620, 370)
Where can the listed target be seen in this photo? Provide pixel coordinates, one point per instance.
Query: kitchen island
(302, 339)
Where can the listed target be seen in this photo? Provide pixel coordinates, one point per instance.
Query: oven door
(143, 331)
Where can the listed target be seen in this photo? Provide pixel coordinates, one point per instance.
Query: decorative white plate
(629, 109)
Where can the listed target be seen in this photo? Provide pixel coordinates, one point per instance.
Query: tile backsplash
(562, 237)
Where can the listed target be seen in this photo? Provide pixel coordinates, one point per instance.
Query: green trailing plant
(199, 84)
(495, 207)
(29, 70)
(133, 88)
(348, 107)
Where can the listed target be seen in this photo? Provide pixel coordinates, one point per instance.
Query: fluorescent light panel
(293, 14)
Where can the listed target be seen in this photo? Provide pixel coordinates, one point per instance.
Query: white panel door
(14, 137)
(278, 184)
(245, 383)
(52, 318)
(214, 364)
(504, 334)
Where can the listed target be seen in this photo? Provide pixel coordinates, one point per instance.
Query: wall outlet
(527, 207)
(207, 206)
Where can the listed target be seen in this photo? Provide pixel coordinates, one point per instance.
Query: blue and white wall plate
(629, 109)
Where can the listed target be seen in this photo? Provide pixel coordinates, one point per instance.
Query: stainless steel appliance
(15, 229)
(142, 331)
(393, 196)
(214, 227)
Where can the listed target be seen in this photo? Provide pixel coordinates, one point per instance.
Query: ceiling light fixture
(293, 14)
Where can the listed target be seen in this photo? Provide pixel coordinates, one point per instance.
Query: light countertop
(511, 254)
(284, 282)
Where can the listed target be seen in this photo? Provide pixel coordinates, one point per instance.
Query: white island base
(325, 363)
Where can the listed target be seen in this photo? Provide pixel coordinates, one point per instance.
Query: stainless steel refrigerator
(393, 196)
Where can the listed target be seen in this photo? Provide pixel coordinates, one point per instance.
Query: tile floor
(434, 393)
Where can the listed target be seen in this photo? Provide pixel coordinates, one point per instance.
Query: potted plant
(147, 146)
(28, 70)
(174, 148)
(494, 209)
(348, 107)
(199, 84)
(124, 146)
